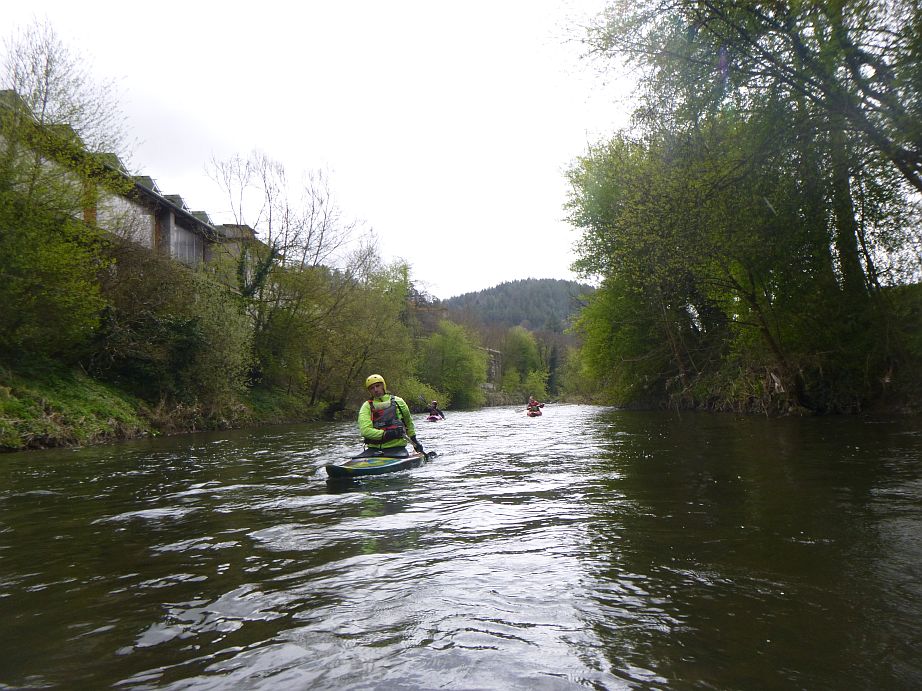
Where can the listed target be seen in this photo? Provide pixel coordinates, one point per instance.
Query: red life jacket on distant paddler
(387, 416)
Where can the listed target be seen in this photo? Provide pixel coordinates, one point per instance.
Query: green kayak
(362, 466)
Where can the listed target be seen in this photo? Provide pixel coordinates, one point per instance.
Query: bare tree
(310, 268)
(55, 84)
(309, 233)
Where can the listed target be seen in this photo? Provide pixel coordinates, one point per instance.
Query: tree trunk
(854, 284)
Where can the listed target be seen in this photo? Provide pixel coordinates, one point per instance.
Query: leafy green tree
(536, 384)
(577, 383)
(49, 294)
(367, 335)
(700, 258)
(524, 369)
(855, 62)
(512, 382)
(624, 357)
(452, 361)
(418, 395)
(520, 351)
(553, 366)
(744, 227)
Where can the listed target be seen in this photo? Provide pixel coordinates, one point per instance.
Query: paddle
(428, 455)
(410, 442)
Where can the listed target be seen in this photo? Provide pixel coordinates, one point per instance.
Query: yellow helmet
(375, 379)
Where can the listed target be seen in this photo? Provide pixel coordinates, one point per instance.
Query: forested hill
(538, 304)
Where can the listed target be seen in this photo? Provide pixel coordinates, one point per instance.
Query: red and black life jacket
(386, 417)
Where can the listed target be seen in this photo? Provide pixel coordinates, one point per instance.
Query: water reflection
(588, 548)
(744, 551)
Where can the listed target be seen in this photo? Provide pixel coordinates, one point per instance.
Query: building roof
(144, 186)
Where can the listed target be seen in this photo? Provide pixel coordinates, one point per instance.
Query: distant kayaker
(433, 410)
(533, 405)
(385, 421)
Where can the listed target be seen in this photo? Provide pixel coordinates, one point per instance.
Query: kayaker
(533, 404)
(433, 409)
(385, 421)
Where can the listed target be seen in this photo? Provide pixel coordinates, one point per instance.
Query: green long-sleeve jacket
(372, 436)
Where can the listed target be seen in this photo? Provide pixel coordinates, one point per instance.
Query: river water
(588, 548)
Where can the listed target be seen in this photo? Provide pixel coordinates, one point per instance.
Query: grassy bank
(49, 406)
(45, 407)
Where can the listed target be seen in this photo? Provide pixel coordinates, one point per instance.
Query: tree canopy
(746, 228)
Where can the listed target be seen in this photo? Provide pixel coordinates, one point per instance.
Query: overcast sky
(444, 127)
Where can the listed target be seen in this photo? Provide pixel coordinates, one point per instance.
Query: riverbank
(54, 407)
(50, 406)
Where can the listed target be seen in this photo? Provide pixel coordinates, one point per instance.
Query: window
(186, 246)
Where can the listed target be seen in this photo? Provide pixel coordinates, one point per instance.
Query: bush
(172, 335)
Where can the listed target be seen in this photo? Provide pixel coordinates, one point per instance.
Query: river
(589, 548)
